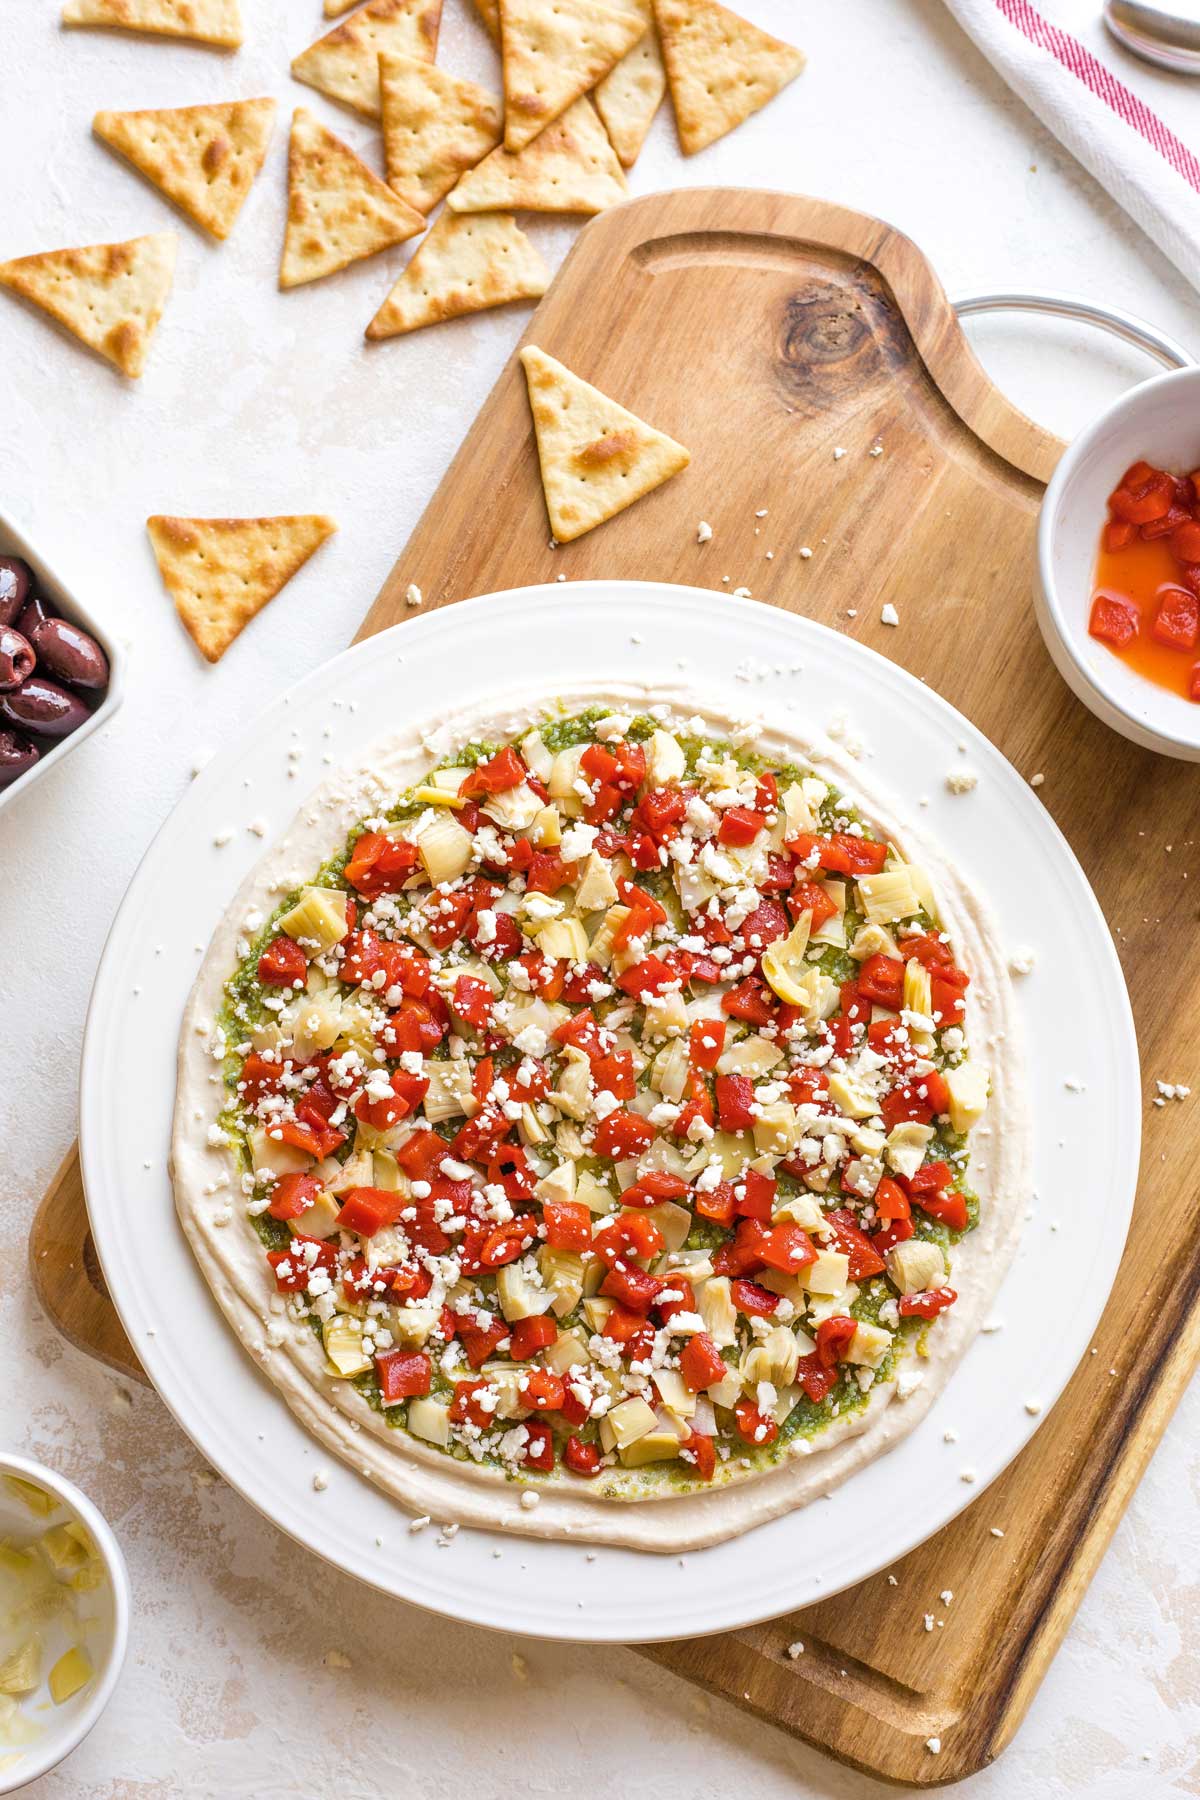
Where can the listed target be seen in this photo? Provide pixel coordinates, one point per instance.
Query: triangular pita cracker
(468, 262)
(720, 68)
(554, 51)
(569, 167)
(345, 63)
(110, 295)
(435, 126)
(335, 8)
(596, 458)
(339, 210)
(207, 21)
(630, 95)
(489, 12)
(204, 158)
(220, 572)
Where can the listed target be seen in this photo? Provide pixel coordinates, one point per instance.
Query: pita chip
(720, 68)
(435, 126)
(338, 209)
(204, 158)
(570, 167)
(345, 63)
(631, 93)
(596, 458)
(207, 21)
(110, 295)
(469, 261)
(489, 12)
(220, 572)
(335, 8)
(554, 51)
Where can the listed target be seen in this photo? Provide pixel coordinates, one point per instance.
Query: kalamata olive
(69, 652)
(42, 707)
(35, 612)
(17, 659)
(15, 577)
(16, 755)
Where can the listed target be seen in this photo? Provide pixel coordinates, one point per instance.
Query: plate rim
(1123, 1043)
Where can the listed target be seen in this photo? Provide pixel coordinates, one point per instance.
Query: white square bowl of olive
(61, 673)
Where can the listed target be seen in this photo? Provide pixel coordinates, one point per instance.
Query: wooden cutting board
(765, 331)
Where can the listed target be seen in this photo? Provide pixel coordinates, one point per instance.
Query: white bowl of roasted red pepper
(60, 671)
(1118, 594)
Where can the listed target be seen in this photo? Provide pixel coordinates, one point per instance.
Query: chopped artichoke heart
(624, 1423)
(918, 995)
(596, 887)
(915, 1265)
(319, 1220)
(564, 773)
(675, 1393)
(573, 1095)
(546, 830)
(774, 1359)
(72, 1671)
(386, 1173)
(751, 1055)
(775, 1128)
(514, 809)
(594, 1195)
(923, 888)
(429, 1419)
(596, 1309)
(659, 1445)
(673, 1221)
(564, 938)
(801, 1209)
(797, 814)
(600, 950)
(318, 919)
(562, 1275)
(445, 848)
(784, 965)
(20, 1672)
(449, 1092)
(968, 1086)
(669, 1074)
(448, 780)
(64, 1549)
(315, 1024)
(518, 1297)
(873, 940)
(342, 1336)
(411, 1325)
(33, 1498)
(665, 759)
(905, 1147)
(888, 896)
(869, 1345)
(269, 1156)
(827, 1275)
(666, 1016)
(833, 929)
(439, 796)
(852, 1096)
(715, 1305)
(559, 1184)
(568, 1351)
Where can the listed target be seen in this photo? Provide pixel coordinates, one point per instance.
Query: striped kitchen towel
(1112, 122)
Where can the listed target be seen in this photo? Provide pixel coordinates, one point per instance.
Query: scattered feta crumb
(1036, 780)
(742, 593)
(805, 552)
(928, 1621)
(321, 1480)
(413, 595)
(888, 614)
(838, 454)
(419, 1523)
(795, 1650)
(967, 1475)
(1021, 961)
(703, 532)
(934, 1746)
(876, 450)
(1033, 1408)
(529, 1499)
(961, 781)
(222, 838)
(1172, 1090)
(996, 1531)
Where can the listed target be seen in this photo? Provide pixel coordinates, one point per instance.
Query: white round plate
(1083, 1076)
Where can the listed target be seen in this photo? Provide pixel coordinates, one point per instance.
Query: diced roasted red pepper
(539, 1447)
(293, 1195)
(719, 1204)
(402, 1374)
(864, 1259)
(891, 1202)
(706, 1041)
(541, 1390)
(751, 1000)
(881, 980)
(787, 1248)
(701, 1363)
(283, 964)
(700, 1451)
(1113, 621)
(630, 1234)
(833, 1339)
(505, 770)
(765, 925)
(581, 1458)
(815, 1378)
(622, 1135)
(366, 1210)
(735, 1101)
(757, 1195)
(756, 1302)
(568, 1225)
(755, 1427)
(1176, 621)
(293, 1268)
(632, 1286)
(950, 1208)
(927, 1305)
(811, 897)
(479, 1342)
(740, 825)
(531, 1335)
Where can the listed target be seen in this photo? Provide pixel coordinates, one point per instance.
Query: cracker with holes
(720, 67)
(554, 51)
(596, 458)
(631, 93)
(220, 572)
(435, 127)
(338, 209)
(469, 261)
(204, 158)
(345, 63)
(570, 167)
(216, 22)
(111, 296)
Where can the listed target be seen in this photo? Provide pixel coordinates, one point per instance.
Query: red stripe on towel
(1101, 82)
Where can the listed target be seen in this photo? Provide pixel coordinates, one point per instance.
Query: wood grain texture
(763, 331)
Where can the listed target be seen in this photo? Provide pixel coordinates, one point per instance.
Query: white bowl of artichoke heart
(64, 1619)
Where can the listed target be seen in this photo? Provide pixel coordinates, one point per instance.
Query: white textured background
(256, 402)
